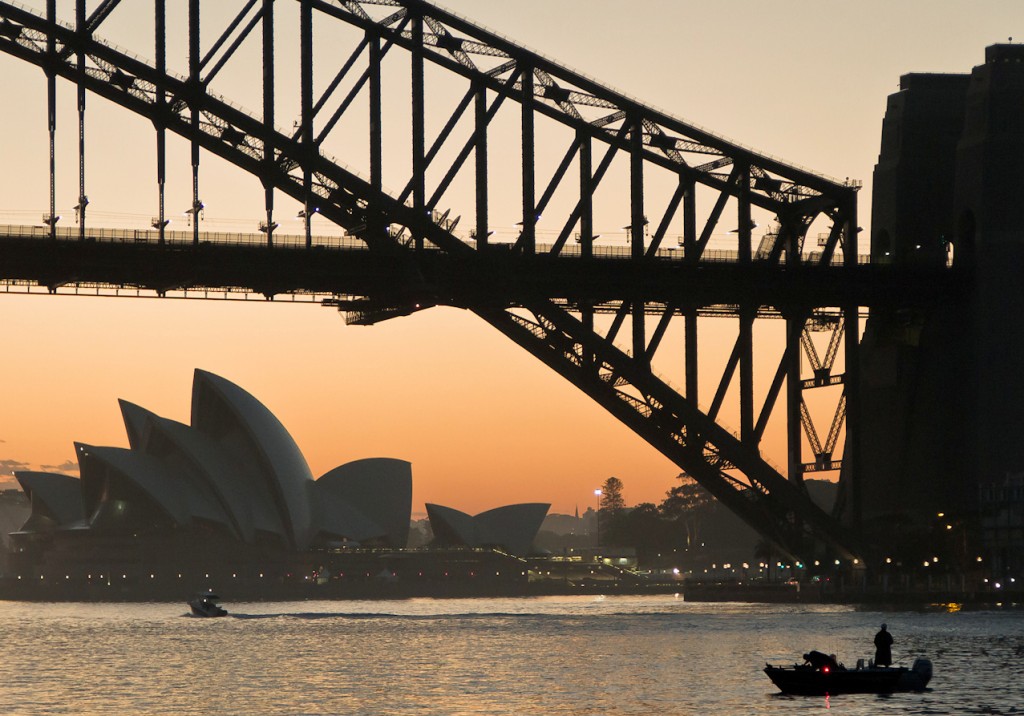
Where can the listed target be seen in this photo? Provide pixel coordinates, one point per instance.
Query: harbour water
(557, 655)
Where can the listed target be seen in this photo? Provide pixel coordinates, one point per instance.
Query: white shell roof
(337, 518)
(380, 487)
(175, 496)
(59, 495)
(260, 443)
(512, 527)
(449, 524)
(248, 504)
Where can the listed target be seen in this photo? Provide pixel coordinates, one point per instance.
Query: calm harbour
(554, 655)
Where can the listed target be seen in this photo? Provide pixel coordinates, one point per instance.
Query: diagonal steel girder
(774, 506)
(625, 386)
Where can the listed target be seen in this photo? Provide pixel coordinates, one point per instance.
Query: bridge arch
(560, 330)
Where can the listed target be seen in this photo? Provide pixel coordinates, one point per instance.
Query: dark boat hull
(205, 605)
(807, 681)
(208, 611)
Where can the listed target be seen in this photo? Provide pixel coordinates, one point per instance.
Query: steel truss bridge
(597, 314)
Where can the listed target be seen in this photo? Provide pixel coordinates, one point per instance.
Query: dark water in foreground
(559, 655)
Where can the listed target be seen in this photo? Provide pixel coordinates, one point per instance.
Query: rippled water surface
(567, 655)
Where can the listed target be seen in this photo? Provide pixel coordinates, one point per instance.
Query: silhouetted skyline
(482, 422)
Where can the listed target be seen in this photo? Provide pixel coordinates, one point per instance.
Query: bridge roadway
(343, 271)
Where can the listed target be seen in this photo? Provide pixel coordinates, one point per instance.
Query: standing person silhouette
(883, 648)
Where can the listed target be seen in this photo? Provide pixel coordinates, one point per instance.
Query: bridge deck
(134, 262)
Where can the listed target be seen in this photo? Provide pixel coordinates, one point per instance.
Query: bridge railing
(176, 238)
(181, 239)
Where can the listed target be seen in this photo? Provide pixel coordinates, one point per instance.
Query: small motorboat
(822, 675)
(205, 605)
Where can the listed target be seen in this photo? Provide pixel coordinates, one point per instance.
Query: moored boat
(819, 676)
(205, 605)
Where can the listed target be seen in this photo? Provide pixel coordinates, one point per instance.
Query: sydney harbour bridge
(595, 312)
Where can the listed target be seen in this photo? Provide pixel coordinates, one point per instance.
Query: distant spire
(577, 511)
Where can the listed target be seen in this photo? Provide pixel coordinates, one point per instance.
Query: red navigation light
(825, 669)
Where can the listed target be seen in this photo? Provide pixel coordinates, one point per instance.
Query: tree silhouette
(686, 504)
(612, 500)
(611, 506)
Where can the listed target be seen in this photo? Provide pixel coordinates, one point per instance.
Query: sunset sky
(483, 423)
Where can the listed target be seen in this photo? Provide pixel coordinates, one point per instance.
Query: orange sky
(483, 423)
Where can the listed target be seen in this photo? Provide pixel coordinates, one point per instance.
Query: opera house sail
(511, 528)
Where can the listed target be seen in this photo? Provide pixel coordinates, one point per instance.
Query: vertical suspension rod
(51, 111)
(586, 211)
(376, 129)
(637, 224)
(528, 238)
(306, 90)
(376, 56)
(746, 336)
(268, 116)
(690, 320)
(83, 200)
(586, 193)
(160, 39)
(690, 221)
(482, 219)
(195, 85)
(744, 222)
(419, 132)
(637, 220)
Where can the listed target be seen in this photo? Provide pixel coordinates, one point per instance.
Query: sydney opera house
(511, 528)
(231, 497)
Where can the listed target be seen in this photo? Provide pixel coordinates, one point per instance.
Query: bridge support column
(746, 352)
(794, 395)
(852, 457)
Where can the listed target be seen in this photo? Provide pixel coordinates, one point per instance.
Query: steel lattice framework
(566, 301)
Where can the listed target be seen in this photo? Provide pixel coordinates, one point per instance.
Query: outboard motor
(922, 669)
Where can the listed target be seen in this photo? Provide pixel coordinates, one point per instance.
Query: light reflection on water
(564, 655)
